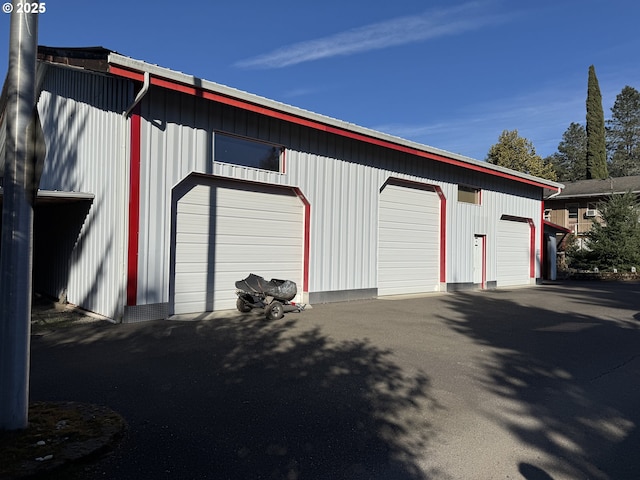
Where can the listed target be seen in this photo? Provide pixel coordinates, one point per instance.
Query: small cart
(273, 296)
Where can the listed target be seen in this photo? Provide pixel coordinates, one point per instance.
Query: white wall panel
(86, 136)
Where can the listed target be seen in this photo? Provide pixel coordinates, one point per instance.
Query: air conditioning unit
(591, 212)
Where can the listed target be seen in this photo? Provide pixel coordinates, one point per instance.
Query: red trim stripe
(199, 92)
(134, 209)
(484, 261)
(532, 249)
(543, 254)
(443, 234)
(306, 240)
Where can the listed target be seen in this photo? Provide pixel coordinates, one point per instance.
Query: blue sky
(450, 74)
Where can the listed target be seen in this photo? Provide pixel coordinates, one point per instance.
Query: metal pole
(17, 224)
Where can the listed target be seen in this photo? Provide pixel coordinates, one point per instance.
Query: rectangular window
(247, 153)
(468, 194)
(572, 208)
(547, 214)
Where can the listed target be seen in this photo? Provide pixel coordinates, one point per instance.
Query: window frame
(469, 190)
(248, 141)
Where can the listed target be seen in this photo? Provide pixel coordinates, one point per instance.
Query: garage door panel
(514, 254)
(246, 231)
(408, 240)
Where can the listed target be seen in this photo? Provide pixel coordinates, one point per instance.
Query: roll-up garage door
(408, 240)
(226, 230)
(514, 253)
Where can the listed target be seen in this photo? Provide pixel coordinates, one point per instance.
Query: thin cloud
(390, 33)
(541, 117)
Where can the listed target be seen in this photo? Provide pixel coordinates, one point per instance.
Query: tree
(614, 242)
(623, 133)
(570, 159)
(517, 153)
(596, 144)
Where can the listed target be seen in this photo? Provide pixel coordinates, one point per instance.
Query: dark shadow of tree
(574, 372)
(241, 399)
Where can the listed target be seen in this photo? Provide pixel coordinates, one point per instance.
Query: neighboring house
(576, 207)
(160, 190)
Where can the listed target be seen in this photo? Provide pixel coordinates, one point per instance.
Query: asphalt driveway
(533, 383)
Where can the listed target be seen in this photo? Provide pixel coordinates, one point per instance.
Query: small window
(547, 214)
(468, 194)
(572, 208)
(247, 153)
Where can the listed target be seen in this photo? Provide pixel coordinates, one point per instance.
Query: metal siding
(341, 179)
(86, 136)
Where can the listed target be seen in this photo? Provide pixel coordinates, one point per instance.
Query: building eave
(127, 67)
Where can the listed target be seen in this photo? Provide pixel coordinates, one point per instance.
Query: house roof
(599, 188)
(104, 60)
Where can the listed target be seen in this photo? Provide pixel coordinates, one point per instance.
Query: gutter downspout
(126, 180)
(143, 91)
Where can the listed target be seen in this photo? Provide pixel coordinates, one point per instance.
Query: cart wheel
(242, 305)
(274, 311)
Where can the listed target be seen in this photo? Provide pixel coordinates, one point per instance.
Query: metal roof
(57, 196)
(135, 69)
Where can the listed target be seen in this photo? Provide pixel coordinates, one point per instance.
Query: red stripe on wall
(443, 235)
(532, 250)
(306, 240)
(543, 254)
(134, 209)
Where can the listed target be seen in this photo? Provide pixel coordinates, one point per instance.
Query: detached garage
(195, 185)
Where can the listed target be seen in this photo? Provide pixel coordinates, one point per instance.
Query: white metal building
(170, 188)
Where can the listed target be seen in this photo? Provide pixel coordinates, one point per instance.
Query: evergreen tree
(615, 243)
(623, 133)
(569, 160)
(596, 145)
(517, 153)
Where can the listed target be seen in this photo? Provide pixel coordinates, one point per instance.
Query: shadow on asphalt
(239, 399)
(580, 395)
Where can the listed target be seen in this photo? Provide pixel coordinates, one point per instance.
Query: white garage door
(226, 231)
(408, 241)
(514, 253)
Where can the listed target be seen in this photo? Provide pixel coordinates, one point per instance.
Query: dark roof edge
(91, 58)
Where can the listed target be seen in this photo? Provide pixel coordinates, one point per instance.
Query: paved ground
(536, 383)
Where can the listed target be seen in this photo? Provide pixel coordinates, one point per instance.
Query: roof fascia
(170, 79)
(591, 195)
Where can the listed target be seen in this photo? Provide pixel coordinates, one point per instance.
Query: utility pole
(17, 221)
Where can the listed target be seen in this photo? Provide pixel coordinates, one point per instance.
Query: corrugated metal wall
(341, 179)
(87, 151)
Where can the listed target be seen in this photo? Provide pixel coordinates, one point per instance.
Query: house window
(572, 208)
(468, 194)
(247, 153)
(547, 214)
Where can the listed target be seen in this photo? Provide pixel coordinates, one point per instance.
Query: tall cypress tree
(596, 142)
